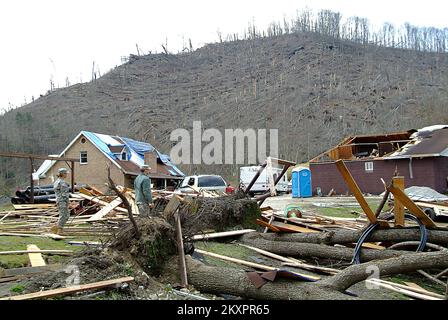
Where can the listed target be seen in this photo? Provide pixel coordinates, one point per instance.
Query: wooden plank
(172, 206)
(68, 290)
(250, 264)
(373, 246)
(407, 290)
(58, 252)
(413, 208)
(180, 251)
(6, 215)
(432, 205)
(291, 228)
(267, 225)
(351, 183)
(270, 176)
(398, 182)
(107, 209)
(46, 235)
(33, 206)
(221, 234)
(36, 259)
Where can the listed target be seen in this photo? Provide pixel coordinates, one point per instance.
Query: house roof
(429, 141)
(426, 142)
(135, 150)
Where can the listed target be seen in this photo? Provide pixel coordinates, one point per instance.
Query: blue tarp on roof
(138, 147)
(99, 143)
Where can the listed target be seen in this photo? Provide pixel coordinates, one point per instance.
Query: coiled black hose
(423, 236)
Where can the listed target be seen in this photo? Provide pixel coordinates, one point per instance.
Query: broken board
(107, 209)
(36, 258)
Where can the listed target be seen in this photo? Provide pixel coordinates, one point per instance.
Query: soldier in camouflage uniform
(143, 197)
(62, 191)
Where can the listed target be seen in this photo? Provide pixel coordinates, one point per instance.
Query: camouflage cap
(62, 170)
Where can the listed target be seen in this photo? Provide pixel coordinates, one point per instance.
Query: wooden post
(398, 182)
(413, 208)
(32, 181)
(351, 183)
(180, 249)
(73, 175)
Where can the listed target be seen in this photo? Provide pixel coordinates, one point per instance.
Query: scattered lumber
(104, 211)
(69, 290)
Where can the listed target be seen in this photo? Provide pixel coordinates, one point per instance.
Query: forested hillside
(314, 78)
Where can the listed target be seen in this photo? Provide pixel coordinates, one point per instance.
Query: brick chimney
(151, 160)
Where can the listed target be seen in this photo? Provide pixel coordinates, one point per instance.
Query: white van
(262, 185)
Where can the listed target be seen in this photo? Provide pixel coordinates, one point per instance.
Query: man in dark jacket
(143, 197)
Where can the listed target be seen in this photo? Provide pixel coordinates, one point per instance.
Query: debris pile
(289, 254)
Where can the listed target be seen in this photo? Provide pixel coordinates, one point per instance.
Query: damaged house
(96, 152)
(421, 156)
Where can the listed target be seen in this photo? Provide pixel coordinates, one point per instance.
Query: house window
(124, 156)
(368, 166)
(83, 157)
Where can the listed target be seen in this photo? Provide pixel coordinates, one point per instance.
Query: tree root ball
(156, 244)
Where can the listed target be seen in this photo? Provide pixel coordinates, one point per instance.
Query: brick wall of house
(429, 172)
(94, 172)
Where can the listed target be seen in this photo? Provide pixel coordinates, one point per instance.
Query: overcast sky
(59, 39)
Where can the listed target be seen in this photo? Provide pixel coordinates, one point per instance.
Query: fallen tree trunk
(220, 280)
(304, 250)
(350, 236)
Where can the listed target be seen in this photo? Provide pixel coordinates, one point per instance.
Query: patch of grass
(225, 249)
(6, 207)
(340, 212)
(17, 289)
(11, 243)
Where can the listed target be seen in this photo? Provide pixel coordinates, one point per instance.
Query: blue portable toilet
(301, 183)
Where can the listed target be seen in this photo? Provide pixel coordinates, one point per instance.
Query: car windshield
(211, 181)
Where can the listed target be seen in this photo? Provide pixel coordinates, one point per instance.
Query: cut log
(220, 280)
(304, 250)
(349, 236)
(68, 290)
